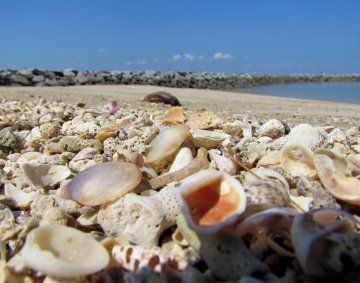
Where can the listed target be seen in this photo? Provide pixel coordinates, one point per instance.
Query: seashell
(263, 173)
(63, 252)
(210, 200)
(42, 175)
(270, 158)
(264, 194)
(182, 159)
(29, 156)
(174, 116)
(129, 156)
(332, 174)
(85, 153)
(20, 198)
(165, 145)
(297, 160)
(207, 139)
(134, 258)
(308, 234)
(103, 182)
(223, 163)
(162, 97)
(202, 120)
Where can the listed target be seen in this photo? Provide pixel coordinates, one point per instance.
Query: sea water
(342, 92)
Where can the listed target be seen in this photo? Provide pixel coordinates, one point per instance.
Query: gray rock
(8, 140)
(27, 73)
(81, 78)
(19, 79)
(38, 78)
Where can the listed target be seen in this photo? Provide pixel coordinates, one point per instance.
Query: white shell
(297, 160)
(207, 139)
(103, 182)
(166, 144)
(63, 252)
(42, 175)
(204, 196)
(182, 159)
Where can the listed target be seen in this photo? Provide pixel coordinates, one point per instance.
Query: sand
(251, 106)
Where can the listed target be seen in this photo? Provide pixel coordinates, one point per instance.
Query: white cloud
(189, 56)
(176, 57)
(201, 57)
(220, 55)
(128, 63)
(141, 62)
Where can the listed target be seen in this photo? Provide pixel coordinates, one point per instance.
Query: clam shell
(165, 145)
(297, 160)
(210, 200)
(332, 175)
(63, 252)
(103, 182)
(174, 116)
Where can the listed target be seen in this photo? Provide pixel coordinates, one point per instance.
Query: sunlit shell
(202, 120)
(297, 160)
(107, 132)
(263, 173)
(19, 197)
(207, 139)
(182, 159)
(270, 158)
(333, 177)
(103, 182)
(165, 145)
(86, 153)
(129, 156)
(29, 156)
(42, 175)
(63, 252)
(224, 163)
(210, 200)
(174, 116)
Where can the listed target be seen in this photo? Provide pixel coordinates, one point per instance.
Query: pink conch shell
(103, 182)
(210, 200)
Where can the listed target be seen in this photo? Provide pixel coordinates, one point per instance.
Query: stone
(75, 144)
(273, 129)
(19, 79)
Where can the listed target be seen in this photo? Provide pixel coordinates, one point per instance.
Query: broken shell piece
(182, 159)
(210, 200)
(165, 145)
(202, 120)
(86, 153)
(42, 175)
(103, 182)
(20, 198)
(223, 163)
(340, 185)
(29, 156)
(207, 139)
(297, 160)
(174, 116)
(63, 252)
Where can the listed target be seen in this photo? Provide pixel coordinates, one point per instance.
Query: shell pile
(160, 194)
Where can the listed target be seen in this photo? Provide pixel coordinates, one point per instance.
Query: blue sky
(278, 36)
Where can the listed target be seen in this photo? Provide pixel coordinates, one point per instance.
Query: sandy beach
(251, 106)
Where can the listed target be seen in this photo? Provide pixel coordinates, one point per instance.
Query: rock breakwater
(203, 80)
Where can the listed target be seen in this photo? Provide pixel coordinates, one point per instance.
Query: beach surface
(250, 106)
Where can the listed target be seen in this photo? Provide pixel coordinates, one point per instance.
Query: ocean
(342, 92)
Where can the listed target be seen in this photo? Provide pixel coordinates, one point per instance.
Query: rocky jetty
(204, 80)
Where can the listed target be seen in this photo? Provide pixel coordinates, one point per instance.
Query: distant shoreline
(203, 80)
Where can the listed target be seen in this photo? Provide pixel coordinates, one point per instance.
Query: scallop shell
(332, 175)
(63, 252)
(165, 145)
(210, 200)
(103, 182)
(297, 160)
